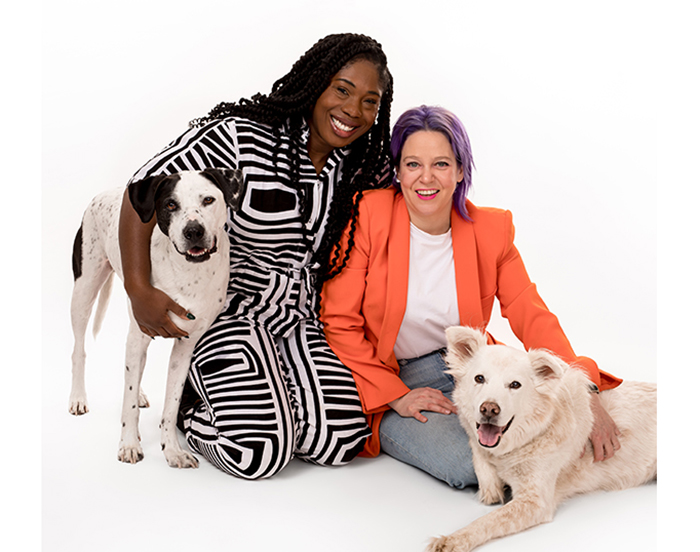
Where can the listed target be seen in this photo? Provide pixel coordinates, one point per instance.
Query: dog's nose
(489, 409)
(193, 231)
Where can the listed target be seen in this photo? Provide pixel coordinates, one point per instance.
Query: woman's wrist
(393, 404)
(136, 286)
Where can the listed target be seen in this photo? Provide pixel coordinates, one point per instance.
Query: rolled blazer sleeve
(347, 328)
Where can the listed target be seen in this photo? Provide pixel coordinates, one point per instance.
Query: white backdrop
(556, 98)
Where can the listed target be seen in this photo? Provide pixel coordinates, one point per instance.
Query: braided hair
(292, 99)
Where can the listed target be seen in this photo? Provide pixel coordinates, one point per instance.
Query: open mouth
(200, 254)
(490, 435)
(341, 128)
(427, 194)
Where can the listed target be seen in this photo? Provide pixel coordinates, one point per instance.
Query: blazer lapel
(466, 271)
(398, 259)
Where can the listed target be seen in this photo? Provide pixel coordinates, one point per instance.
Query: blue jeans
(439, 446)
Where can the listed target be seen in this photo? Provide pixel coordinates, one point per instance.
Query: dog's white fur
(199, 287)
(550, 419)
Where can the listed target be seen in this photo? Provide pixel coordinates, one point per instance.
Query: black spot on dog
(164, 195)
(230, 182)
(143, 194)
(78, 254)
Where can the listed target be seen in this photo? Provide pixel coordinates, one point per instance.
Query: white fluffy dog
(528, 417)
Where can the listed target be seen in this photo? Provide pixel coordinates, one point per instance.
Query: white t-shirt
(432, 295)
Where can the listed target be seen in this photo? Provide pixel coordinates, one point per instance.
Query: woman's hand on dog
(604, 436)
(423, 398)
(150, 307)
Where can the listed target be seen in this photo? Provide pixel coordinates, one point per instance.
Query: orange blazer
(362, 308)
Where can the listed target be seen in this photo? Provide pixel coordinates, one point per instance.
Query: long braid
(360, 172)
(292, 99)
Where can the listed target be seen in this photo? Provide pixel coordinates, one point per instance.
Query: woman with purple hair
(423, 258)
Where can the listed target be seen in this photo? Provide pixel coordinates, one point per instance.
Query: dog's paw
(180, 459)
(436, 544)
(442, 544)
(78, 407)
(130, 454)
(450, 543)
(143, 400)
(491, 495)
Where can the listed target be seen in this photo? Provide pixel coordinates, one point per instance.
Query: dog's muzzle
(195, 238)
(490, 434)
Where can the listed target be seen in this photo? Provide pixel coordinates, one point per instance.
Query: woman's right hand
(150, 307)
(423, 398)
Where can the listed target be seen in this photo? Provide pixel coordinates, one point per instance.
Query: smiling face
(429, 172)
(505, 397)
(191, 211)
(345, 110)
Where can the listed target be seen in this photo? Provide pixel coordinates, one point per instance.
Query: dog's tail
(102, 303)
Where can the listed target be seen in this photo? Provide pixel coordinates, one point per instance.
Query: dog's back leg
(136, 346)
(94, 275)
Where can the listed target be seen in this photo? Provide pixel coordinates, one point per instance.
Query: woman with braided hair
(264, 386)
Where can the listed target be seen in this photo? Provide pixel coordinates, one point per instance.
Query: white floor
(92, 502)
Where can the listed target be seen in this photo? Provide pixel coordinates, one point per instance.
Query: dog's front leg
(528, 508)
(136, 346)
(491, 487)
(179, 365)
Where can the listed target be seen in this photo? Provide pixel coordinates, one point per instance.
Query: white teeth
(341, 126)
(195, 254)
(426, 192)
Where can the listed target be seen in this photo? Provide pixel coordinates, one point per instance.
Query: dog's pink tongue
(489, 434)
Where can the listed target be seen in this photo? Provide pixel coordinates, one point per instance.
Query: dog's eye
(515, 385)
(208, 200)
(171, 205)
(479, 379)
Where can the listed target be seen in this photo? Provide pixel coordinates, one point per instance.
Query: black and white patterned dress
(271, 387)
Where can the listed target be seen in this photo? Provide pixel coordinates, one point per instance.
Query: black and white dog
(189, 262)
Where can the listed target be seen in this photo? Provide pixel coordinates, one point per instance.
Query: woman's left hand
(604, 435)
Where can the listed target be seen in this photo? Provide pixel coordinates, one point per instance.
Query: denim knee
(439, 446)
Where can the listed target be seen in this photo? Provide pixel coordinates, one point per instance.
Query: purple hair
(437, 119)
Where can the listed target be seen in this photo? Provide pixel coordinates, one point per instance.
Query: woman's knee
(458, 475)
(338, 446)
(439, 446)
(250, 461)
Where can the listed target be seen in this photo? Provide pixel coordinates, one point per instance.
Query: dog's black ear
(230, 182)
(142, 194)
